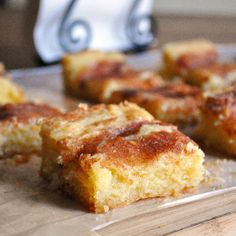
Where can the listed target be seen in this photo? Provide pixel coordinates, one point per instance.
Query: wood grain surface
(197, 217)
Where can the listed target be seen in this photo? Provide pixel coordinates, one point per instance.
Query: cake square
(108, 156)
(80, 68)
(95, 75)
(173, 103)
(217, 129)
(20, 126)
(143, 80)
(181, 57)
(214, 77)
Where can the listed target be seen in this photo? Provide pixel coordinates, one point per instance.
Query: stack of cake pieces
(197, 62)
(106, 78)
(94, 75)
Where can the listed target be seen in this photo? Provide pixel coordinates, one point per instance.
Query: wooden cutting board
(28, 206)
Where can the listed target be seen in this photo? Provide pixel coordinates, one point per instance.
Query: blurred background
(177, 20)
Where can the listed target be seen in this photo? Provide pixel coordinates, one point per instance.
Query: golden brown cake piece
(218, 127)
(20, 126)
(80, 67)
(214, 77)
(139, 80)
(108, 156)
(181, 57)
(174, 103)
(10, 92)
(94, 75)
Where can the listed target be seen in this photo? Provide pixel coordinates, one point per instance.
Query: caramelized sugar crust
(175, 103)
(190, 61)
(24, 112)
(100, 80)
(105, 69)
(218, 127)
(222, 102)
(124, 141)
(221, 108)
(94, 75)
(20, 126)
(121, 148)
(175, 91)
(180, 58)
(221, 71)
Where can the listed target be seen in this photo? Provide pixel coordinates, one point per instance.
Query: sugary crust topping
(190, 61)
(104, 69)
(126, 109)
(178, 91)
(178, 104)
(185, 56)
(223, 102)
(143, 80)
(75, 147)
(175, 91)
(124, 146)
(26, 111)
(220, 111)
(129, 137)
(118, 70)
(119, 151)
(220, 69)
(96, 118)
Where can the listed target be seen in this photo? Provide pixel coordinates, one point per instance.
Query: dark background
(17, 22)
